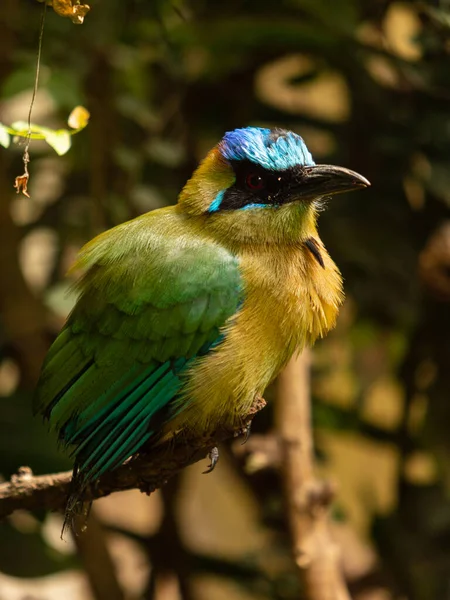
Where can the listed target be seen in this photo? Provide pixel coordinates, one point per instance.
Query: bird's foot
(245, 430)
(246, 433)
(213, 456)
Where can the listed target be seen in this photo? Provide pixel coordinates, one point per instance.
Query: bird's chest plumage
(293, 300)
(290, 300)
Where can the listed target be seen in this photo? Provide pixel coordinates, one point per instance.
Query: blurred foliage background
(367, 84)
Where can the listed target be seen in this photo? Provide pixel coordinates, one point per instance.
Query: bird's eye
(254, 181)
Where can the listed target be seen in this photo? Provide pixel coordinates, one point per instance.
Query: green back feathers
(153, 296)
(134, 262)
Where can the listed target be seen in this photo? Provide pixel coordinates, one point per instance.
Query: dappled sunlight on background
(366, 83)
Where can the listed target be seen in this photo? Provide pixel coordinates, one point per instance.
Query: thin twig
(307, 499)
(145, 472)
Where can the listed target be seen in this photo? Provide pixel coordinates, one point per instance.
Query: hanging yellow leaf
(78, 118)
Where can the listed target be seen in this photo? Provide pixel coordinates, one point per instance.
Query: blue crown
(274, 149)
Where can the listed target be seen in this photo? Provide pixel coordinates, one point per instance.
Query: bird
(185, 314)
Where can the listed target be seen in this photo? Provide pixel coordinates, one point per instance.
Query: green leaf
(20, 126)
(4, 137)
(59, 140)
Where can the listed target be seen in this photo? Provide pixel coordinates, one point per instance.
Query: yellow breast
(290, 300)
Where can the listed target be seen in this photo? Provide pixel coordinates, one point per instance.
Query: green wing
(153, 298)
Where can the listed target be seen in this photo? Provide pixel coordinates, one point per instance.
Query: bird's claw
(213, 456)
(246, 433)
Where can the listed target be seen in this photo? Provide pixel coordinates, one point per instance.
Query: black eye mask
(256, 186)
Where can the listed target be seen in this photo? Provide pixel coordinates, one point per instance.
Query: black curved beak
(326, 180)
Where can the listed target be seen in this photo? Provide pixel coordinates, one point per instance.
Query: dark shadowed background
(367, 84)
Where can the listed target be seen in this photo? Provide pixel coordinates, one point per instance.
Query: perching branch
(145, 472)
(307, 499)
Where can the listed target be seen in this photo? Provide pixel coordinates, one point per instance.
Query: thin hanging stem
(26, 156)
(21, 182)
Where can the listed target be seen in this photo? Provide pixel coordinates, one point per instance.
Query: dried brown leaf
(21, 184)
(70, 8)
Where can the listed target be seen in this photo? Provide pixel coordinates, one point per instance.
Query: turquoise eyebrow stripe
(215, 204)
(256, 205)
